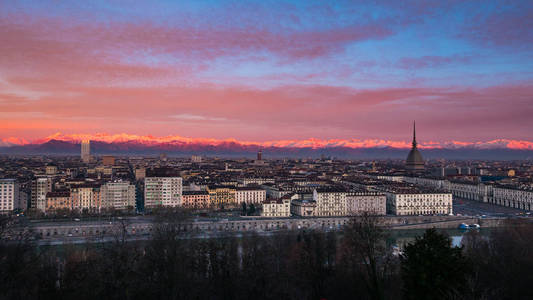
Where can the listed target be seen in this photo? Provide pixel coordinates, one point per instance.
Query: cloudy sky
(267, 70)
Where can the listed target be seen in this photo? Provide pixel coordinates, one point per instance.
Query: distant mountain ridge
(234, 149)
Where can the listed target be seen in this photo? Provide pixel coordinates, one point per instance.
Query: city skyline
(277, 73)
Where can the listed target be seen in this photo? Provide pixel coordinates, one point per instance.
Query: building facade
(9, 195)
(195, 199)
(330, 202)
(39, 188)
(275, 208)
(85, 197)
(372, 203)
(249, 195)
(162, 191)
(58, 201)
(412, 204)
(118, 195)
(303, 208)
(221, 195)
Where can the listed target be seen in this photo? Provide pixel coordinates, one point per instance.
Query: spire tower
(414, 162)
(414, 135)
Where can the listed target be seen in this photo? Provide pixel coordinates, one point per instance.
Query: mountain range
(236, 149)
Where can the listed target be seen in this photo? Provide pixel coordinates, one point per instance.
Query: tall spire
(414, 135)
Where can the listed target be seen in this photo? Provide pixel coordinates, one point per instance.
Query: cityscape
(254, 150)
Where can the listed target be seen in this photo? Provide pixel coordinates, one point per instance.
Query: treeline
(356, 264)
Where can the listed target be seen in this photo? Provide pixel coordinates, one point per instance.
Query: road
(467, 207)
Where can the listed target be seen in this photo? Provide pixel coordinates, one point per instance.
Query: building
(415, 162)
(51, 170)
(256, 181)
(513, 197)
(9, 195)
(86, 151)
(330, 201)
(140, 173)
(196, 159)
(162, 188)
(195, 199)
(221, 195)
(108, 160)
(40, 186)
(276, 208)
(260, 155)
(249, 195)
(58, 201)
(303, 208)
(118, 195)
(85, 197)
(504, 195)
(408, 200)
(362, 202)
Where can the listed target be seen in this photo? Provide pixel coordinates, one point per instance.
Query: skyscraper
(86, 151)
(414, 162)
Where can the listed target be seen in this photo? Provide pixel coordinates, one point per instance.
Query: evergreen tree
(433, 269)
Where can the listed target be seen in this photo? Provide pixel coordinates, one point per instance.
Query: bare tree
(365, 254)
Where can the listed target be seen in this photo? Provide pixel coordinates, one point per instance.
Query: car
(77, 220)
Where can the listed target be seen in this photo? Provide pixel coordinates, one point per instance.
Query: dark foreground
(360, 263)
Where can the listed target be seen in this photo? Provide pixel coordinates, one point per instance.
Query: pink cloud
(281, 113)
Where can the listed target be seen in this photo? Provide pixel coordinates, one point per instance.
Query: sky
(268, 71)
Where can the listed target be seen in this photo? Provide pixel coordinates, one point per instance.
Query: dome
(414, 160)
(414, 157)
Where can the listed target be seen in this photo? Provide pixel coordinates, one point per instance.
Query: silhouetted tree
(433, 269)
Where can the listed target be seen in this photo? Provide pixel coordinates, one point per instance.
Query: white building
(513, 197)
(9, 195)
(118, 195)
(361, 202)
(330, 202)
(86, 151)
(39, 188)
(510, 196)
(162, 191)
(196, 159)
(249, 195)
(277, 207)
(405, 199)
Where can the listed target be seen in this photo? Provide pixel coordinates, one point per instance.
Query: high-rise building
(162, 188)
(414, 162)
(118, 195)
(260, 155)
(39, 188)
(196, 159)
(9, 194)
(86, 151)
